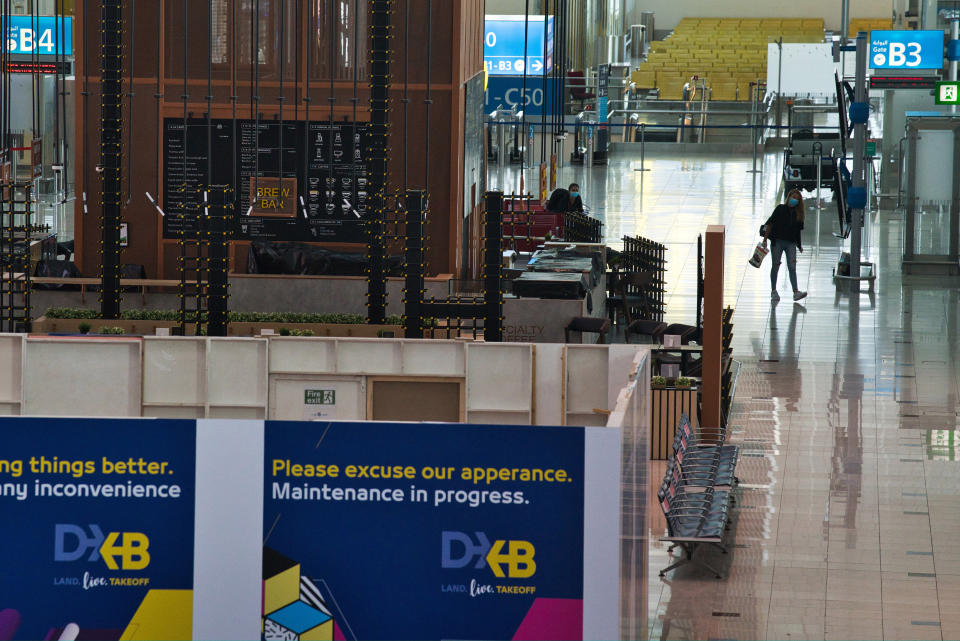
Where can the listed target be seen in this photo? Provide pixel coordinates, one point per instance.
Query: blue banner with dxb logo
(422, 531)
(98, 528)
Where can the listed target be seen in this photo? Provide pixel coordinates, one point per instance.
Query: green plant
(150, 314)
(72, 313)
(85, 328)
(683, 381)
(112, 330)
(284, 331)
(301, 332)
(658, 381)
(235, 317)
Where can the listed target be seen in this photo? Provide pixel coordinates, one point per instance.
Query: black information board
(331, 187)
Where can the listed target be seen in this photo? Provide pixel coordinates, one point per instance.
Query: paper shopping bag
(759, 253)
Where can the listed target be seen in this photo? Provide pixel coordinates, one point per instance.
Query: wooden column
(712, 328)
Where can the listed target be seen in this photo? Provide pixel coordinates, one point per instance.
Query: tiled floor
(848, 519)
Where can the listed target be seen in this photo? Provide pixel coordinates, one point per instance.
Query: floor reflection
(846, 412)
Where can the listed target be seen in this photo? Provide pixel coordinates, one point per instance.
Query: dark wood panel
(416, 401)
(452, 43)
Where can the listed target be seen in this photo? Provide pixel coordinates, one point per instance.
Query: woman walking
(784, 227)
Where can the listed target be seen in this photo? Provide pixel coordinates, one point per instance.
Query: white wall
(255, 378)
(669, 12)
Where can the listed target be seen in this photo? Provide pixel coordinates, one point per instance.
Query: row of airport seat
(697, 493)
(729, 53)
(868, 24)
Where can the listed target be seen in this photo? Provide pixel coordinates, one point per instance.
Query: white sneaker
(799, 295)
(774, 296)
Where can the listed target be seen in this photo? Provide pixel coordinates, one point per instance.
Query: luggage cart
(868, 273)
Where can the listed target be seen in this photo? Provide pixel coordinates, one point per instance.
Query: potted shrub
(683, 383)
(143, 321)
(112, 330)
(85, 328)
(658, 382)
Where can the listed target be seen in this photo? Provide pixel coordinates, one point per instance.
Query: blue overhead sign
(906, 49)
(43, 35)
(503, 41)
(506, 92)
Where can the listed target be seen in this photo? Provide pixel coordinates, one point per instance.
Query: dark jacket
(783, 225)
(560, 202)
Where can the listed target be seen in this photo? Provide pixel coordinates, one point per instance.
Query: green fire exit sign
(948, 93)
(320, 397)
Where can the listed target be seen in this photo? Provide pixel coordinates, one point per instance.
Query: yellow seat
(743, 88)
(672, 90)
(868, 25)
(665, 76)
(644, 79)
(723, 91)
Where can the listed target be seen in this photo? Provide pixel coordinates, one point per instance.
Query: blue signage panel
(423, 531)
(503, 45)
(906, 49)
(42, 35)
(98, 528)
(506, 91)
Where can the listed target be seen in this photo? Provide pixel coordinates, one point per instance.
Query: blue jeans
(776, 251)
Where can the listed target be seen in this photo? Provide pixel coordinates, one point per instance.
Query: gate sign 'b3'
(906, 50)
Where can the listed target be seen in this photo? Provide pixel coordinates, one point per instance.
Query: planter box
(355, 330)
(666, 407)
(44, 325)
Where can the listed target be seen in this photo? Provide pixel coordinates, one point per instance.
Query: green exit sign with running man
(948, 93)
(320, 397)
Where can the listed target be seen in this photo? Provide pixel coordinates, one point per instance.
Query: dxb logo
(510, 559)
(118, 550)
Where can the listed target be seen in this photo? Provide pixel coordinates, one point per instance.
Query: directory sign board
(906, 49)
(280, 198)
(42, 35)
(947, 93)
(503, 41)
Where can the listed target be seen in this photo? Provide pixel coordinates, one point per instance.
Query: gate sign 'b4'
(906, 50)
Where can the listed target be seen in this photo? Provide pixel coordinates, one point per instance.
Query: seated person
(564, 200)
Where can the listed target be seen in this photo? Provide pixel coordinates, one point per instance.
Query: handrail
(816, 108)
(694, 112)
(900, 172)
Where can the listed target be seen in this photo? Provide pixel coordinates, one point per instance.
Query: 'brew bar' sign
(275, 196)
